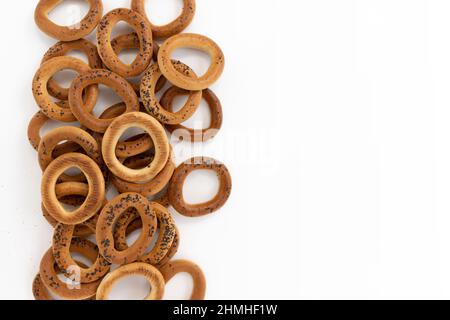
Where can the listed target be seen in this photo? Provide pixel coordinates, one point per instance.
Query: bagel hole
(131, 133)
(128, 56)
(178, 102)
(73, 171)
(133, 287)
(135, 80)
(139, 162)
(69, 207)
(121, 28)
(69, 12)
(107, 98)
(162, 12)
(133, 237)
(111, 192)
(78, 257)
(201, 119)
(65, 77)
(200, 186)
(197, 60)
(179, 287)
(91, 238)
(154, 240)
(164, 88)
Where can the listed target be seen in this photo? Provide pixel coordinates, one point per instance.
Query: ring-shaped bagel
(165, 239)
(174, 27)
(95, 180)
(158, 135)
(34, 136)
(150, 188)
(175, 267)
(63, 48)
(107, 221)
(132, 146)
(41, 95)
(194, 41)
(63, 236)
(77, 291)
(143, 30)
(176, 197)
(149, 99)
(67, 33)
(152, 275)
(71, 193)
(40, 292)
(105, 77)
(131, 41)
(196, 135)
(52, 139)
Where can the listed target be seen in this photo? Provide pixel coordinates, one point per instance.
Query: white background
(337, 135)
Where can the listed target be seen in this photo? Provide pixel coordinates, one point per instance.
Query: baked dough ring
(166, 236)
(142, 29)
(130, 147)
(48, 273)
(152, 275)
(67, 33)
(194, 41)
(176, 187)
(94, 198)
(105, 77)
(51, 140)
(175, 267)
(150, 188)
(131, 41)
(62, 239)
(172, 28)
(71, 189)
(108, 218)
(215, 109)
(40, 292)
(42, 97)
(158, 136)
(63, 48)
(149, 99)
(34, 136)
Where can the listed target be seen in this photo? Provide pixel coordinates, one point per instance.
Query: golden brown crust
(150, 188)
(195, 41)
(62, 239)
(83, 139)
(105, 77)
(131, 41)
(144, 33)
(42, 97)
(67, 33)
(166, 236)
(158, 136)
(150, 100)
(72, 193)
(215, 109)
(152, 275)
(49, 276)
(94, 198)
(176, 198)
(108, 218)
(63, 48)
(34, 136)
(172, 28)
(175, 267)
